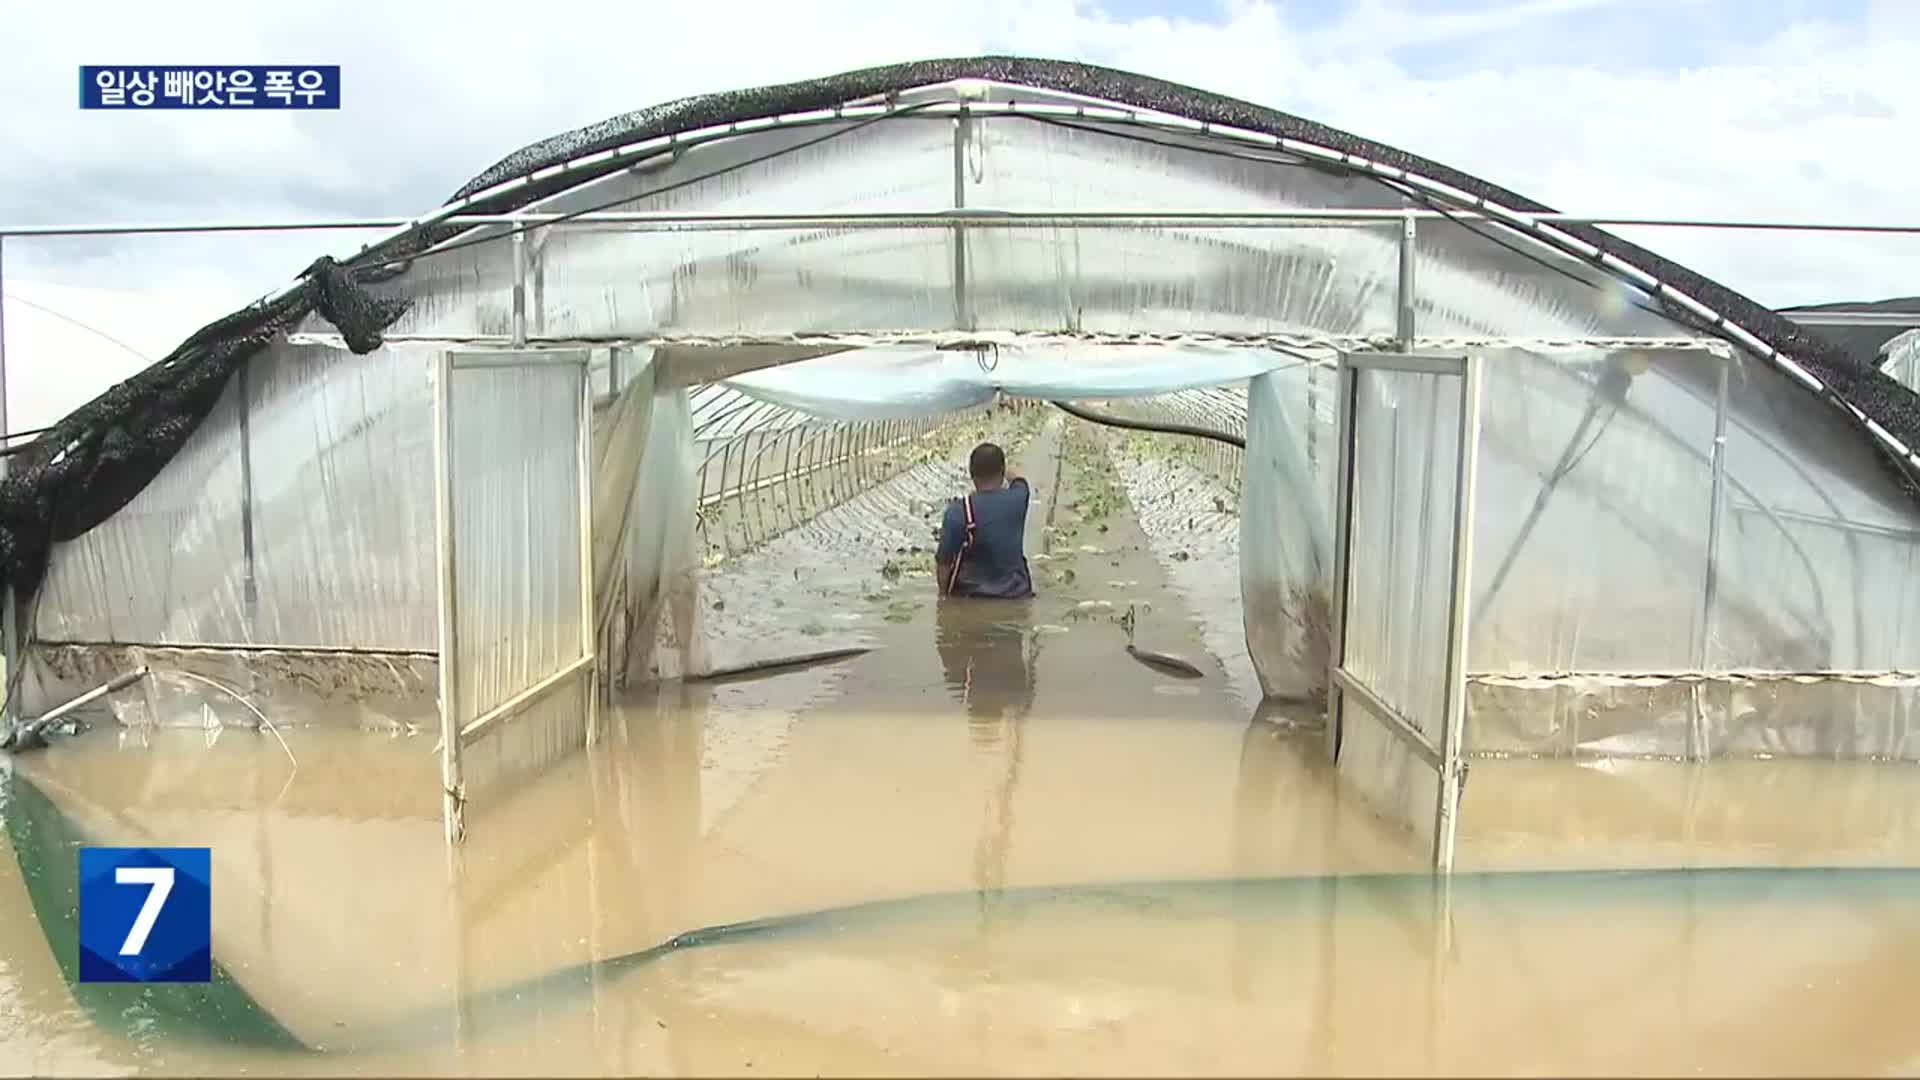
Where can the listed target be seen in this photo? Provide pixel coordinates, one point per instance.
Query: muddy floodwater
(993, 845)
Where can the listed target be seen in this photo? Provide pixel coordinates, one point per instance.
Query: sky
(1750, 109)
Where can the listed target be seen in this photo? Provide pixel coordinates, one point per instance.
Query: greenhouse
(1504, 484)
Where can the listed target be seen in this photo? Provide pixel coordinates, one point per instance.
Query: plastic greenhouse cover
(1903, 359)
(900, 382)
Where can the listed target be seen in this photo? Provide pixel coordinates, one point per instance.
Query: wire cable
(1110, 420)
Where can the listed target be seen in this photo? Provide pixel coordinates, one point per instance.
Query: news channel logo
(146, 915)
(217, 86)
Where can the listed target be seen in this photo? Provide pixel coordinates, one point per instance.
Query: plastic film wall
(1593, 528)
(1592, 627)
(300, 514)
(1594, 533)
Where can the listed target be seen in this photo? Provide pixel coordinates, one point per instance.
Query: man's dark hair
(987, 462)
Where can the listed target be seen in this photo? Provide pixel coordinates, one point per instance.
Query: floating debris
(778, 663)
(1166, 662)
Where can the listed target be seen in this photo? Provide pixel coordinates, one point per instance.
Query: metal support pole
(589, 624)
(450, 778)
(1447, 823)
(962, 299)
(723, 493)
(11, 636)
(249, 583)
(537, 253)
(1343, 512)
(787, 486)
(519, 328)
(116, 684)
(836, 465)
(1408, 233)
(1313, 423)
(1716, 509)
(748, 489)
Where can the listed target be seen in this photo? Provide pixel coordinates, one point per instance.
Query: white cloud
(1814, 123)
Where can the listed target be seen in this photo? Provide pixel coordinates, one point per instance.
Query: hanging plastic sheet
(647, 607)
(1285, 541)
(888, 382)
(872, 384)
(621, 429)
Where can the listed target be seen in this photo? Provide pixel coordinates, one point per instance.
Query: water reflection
(987, 653)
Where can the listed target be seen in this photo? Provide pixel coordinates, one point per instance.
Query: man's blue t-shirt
(996, 564)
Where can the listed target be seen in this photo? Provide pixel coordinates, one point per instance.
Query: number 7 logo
(159, 880)
(146, 915)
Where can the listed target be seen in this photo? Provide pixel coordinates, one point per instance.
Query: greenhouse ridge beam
(981, 217)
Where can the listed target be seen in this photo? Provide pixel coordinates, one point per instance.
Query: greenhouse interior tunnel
(685, 391)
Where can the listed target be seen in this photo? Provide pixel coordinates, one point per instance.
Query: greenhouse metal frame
(1691, 580)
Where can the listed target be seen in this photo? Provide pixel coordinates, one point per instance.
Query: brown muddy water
(994, 845)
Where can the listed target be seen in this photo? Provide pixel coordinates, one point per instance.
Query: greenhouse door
(1408, 430)
(513, 482)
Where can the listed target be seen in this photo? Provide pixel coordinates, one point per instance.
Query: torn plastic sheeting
(884, 382)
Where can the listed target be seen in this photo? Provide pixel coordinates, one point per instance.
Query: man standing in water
(983, 536)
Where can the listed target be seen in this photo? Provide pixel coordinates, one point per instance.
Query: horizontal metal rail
(1895, 319)
(519, 702)
(953, 341)
(1415, 739)
(933, 219)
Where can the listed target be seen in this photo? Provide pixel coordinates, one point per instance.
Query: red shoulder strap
(965, 545)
